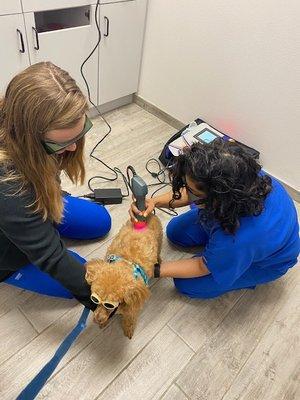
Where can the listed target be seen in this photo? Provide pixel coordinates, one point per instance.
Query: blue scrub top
(267, 244)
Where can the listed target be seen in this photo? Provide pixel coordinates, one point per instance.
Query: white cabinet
(64, 32)
(13, 48)
(122, 27)
(65, 47)
(10, 7)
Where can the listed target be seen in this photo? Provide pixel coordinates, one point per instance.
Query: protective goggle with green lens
(52, 147)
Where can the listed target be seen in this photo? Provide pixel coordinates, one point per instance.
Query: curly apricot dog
(120, 282)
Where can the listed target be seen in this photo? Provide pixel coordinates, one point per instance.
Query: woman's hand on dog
(134, 211)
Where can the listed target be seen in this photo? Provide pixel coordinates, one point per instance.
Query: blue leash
(34, 387)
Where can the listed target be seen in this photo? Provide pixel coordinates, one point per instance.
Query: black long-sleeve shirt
(25, 237)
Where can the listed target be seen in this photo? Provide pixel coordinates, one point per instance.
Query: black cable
(83, 76)
(116, 171)
(171, 212)
(91, 53)
(161, 171)
(161, 182)
(130, 168)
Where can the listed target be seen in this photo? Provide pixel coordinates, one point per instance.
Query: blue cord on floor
(37, 383)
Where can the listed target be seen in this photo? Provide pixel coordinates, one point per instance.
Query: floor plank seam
(167, 389)
(20, 349)
(180, 337)
(127, 365)
(59, 370)
(205, 341)
(172, 316)
(17, 305)
(216, 327)
(238, 299)
(28, 320)
(54, 321)
(34, 338)
(180, 388)
(101, 245)
(254, 348)
(9, 310)
(240, 370)
(173, 382)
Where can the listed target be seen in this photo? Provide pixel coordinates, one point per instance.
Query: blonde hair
(41, 98)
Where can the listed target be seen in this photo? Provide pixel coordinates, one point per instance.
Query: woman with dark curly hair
(245, 220)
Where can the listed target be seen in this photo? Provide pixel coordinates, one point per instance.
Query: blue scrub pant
(186, 230)
(82, 220)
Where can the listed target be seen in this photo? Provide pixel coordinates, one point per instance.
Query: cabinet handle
(37, 46)
(22, 50)
(107, 26)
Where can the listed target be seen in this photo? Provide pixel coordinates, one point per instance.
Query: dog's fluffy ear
(136, 295)
(92, 270)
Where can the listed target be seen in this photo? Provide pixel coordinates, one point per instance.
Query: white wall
(236, 64)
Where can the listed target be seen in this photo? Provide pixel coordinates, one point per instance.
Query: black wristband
(156, 270)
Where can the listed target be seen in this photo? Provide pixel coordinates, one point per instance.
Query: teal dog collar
(138, 270)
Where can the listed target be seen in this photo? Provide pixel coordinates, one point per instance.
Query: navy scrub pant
(186, 231)
(82, 220)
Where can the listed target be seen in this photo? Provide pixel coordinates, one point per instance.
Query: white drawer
(10, 7)
(42, 5)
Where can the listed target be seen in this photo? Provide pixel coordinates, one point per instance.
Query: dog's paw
(128, 331)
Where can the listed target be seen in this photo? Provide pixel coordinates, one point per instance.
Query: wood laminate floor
(242, 346)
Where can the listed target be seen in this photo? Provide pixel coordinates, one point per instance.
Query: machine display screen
(206, 136)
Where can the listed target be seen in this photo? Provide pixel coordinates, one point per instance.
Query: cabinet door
(13, 51)
(122, 27)
(67, 48)
(10, 7)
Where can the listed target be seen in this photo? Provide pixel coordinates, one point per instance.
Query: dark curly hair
(229, 178)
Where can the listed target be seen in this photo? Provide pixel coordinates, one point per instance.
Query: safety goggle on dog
(109, 305)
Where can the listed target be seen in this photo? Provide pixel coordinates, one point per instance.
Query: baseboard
(151, 108)
(111, 105)
(294, 193)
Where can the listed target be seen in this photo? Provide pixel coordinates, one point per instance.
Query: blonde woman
(42, 127)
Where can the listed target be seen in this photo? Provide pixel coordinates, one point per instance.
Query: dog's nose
(100, 316)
